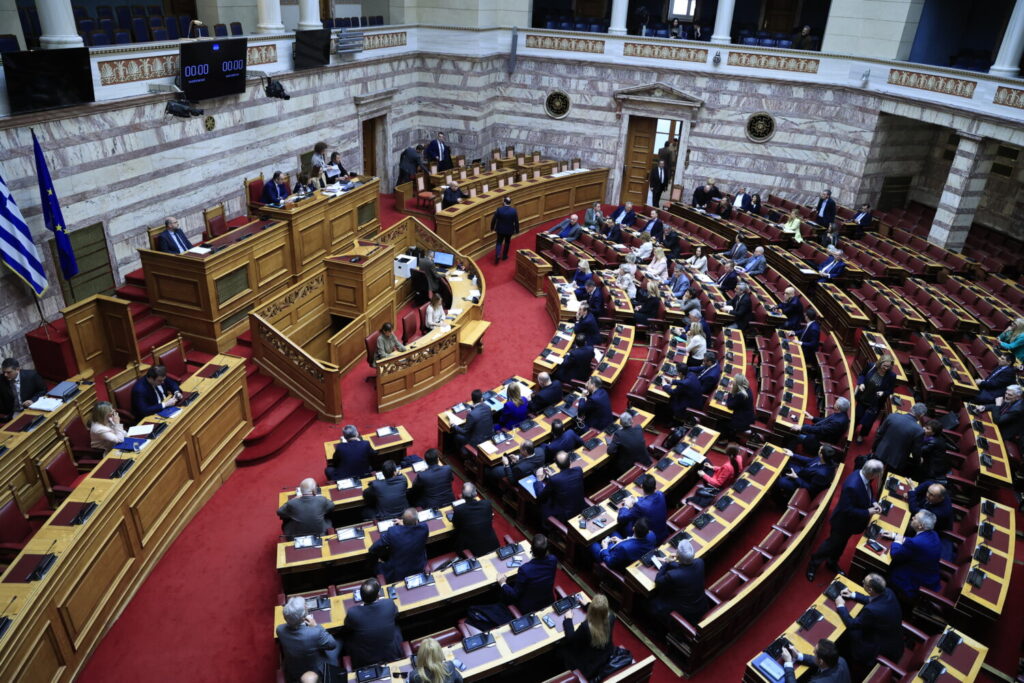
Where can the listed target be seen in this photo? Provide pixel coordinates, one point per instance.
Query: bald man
(933, 498)
(402, 549)
(305, 514)
(793, 308)
(549, 393)
(569, 229)
(172, 240)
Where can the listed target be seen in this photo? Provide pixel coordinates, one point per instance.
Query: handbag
(620, 659)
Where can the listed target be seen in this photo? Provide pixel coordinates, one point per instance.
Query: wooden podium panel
(426, 367)
(102, 333)
(360, 279)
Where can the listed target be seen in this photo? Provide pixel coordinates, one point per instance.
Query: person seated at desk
(833, 266)
(830, 238)
(595, 298)
(547, 394)
(308, 184)
(533, 586)
(612, 231)
(718, 477)
(435, 316)
(655, 227)
(657, 269)
(587, 648)
(995, 384)
(698, 261)
(679, 283)
(560, 495)
(335, 171)
(813, 473)
(154, 392)
(594, 217)
(690, 300)
(728, 279)
(569, 229)
(755, 205)
(581, 276)
(576, 364)
(404, 546)
(741, 307)
(430, 665)
(932, 497)
(724, 209)
(742, 200)
(562, 439)
(105, 429)
(617, 552)
(860, 221)
(685, 392)
(648, 303)
(625, 279)
(275, 192)
(452, 195)
(793, 308)
(740, 401)
(650, 507)
(704, 194)
(826, 663)
(595, 407)
(738, 251)
(387, 342)
(479, 424)
(646, 248)
(753, 265)
(695, 316)
(627, 446)
(832, 428)
(679, 587)
(809, 335)
(352, 456)
(876, 629)
(672, 242)
(173, 239)
(696, 345)
(1012, 339)
(624, 214)
(306, 514)
(433, 486)
(586, 325)
(473, 520)
(516, 465)
(1007, 412)
(709, 373)
(19, 388)
(386, 498)
(792, 226)
(370, 631)
(935, 461)
(515, 409)
(305, 645)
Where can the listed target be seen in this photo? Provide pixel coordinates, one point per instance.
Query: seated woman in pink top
(105, 430)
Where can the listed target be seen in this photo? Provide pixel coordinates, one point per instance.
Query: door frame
(371, 106)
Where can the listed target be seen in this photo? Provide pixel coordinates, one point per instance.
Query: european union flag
(52, 216)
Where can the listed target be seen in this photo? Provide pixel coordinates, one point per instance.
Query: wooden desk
(987, 602)
(963, 664)
(897, 520)
(59, 619)
(998, 473)
(551, 355)
(675, 352)
(531, 271)
(792, 413)
(467, 226)
(735, 344)
(792, 267)
(910, 309)
(711, 292)
(965, 321)
(842, 310)
(562, 303)
(963, 381)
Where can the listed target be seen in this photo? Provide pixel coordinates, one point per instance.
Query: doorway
(370, 145)
(639, 159)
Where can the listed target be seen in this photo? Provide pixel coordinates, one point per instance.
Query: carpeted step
(136, 277)
(245, 339)
(277, 429)
(138, 309)
(197, 356)
(256, 382)
(241, 351)
(147, 324)
(251, 369)
(264, 401)
(133, 293)
(161, 336)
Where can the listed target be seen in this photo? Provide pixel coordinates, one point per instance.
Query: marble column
(620, 12)
(57, 23)
(723, 22)
(309, 15)
(1011, 49)
(269, 16)
(962, 192)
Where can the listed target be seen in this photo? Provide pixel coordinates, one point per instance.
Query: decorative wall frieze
(758, 60)
(673, 52)
(132, 69)
(378, 41)
(947, 85)
(565, 43)
(1009, 97)
(313, 286)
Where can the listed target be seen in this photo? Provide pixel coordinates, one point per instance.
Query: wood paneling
(102, 333)
(639, 157)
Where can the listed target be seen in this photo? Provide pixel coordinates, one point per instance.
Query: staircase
(277, 417)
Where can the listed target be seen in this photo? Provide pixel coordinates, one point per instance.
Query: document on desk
(46, 404)
(488, 447)
(808, 271)
(474, 292)
(202, 251)
(386, 431)
(453, 419)
(140, 430)
(454, 312)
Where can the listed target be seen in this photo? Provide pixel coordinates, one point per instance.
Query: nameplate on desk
(308, 542)
(350, 533)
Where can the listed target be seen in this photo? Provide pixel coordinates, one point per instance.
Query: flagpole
(46, 324)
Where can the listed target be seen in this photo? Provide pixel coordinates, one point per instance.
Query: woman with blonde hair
(740, 401)
(696, 345)
(792, 226)
(105, 429)
(643, 252)
(657, 269)
(583, 273)
(435, 312)
(874, 388)
(430, 666)
(515, 408)
(589, 646)
(648, 303)
(1012, 338)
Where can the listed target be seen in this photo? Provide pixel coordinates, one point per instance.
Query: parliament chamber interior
(604, 340)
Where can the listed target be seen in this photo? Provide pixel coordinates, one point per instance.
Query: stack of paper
(46, 404)
(140, 430)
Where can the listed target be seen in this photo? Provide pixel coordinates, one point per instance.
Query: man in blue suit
(595, 299)
(832, 428)
(613, 231)
(352, 456)
(576, 363)
(586, 325)
(650, 507)
(806, 472)
(479, 424)
(915, 560)
(876, 630)
(534, 584)
(404, 546)
(433, 486)
(548, 393)
(686, 392)
(709, 373)
(850, 517)
(679, 587)
(993, 386)
(173, 239)
(624, 214)
(825, 211)
(738, 250)
(754, 265)
(727, 281)
(743, 200)
(275, 191)
(627, 446)
(793, 309)
(833, 266)
(655, 227)
(561, 494)
(618, 553)
(154, 392)
(679, 283)
(439, 151)
(569, 229)
(504, 224)
(562, 439)
(809, 335)
(595, 408)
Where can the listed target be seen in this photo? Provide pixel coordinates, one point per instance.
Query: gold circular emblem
(557, 104)
(210, 123)
(760, 127)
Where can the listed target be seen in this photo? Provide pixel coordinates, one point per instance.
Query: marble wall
(900, 147)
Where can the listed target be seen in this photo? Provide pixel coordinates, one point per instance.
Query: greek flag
(16, 247)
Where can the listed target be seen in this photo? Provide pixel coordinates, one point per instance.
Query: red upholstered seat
(726, 586)
(15, 531)
(62, 475)
(78, 437)
(410, 326)
(123, 400)
(254, 188)
(371, 348)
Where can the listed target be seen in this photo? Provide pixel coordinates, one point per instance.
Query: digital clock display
(213, 68)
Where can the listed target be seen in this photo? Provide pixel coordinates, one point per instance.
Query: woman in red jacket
(726, 473)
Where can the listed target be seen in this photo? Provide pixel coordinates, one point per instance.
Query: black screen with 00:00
(213, 68)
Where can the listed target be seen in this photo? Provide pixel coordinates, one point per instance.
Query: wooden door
(780, 15)
(639, 159)
(369, 147)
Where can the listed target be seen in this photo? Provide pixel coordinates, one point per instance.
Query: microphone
(85, 511)
(44, 564)
(8, 606)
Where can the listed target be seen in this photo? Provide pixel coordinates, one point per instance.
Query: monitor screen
(213, 68)
(47, 79)
(312, 48)
(442, 258)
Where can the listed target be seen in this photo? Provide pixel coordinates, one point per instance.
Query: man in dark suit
(352, 456)
(371, 632)
(672, 243)
(738, 250)
(704, 194)
(173, 239)
(595, 407)
(850, 517)
(933, 498)
(876, 630)
(742, 309)
(306, 514)
(807, 472)
(861, 221)
(915, 559)
(426, 265)
(627, 446)
(439, 151)
(561, 494)
(743, 200)
(833, 266)
(595, 299)
(473, 521)
(452, 195)
(504, 224)
(899, 438)
(386, 498)
(409, 163)
(728, 279)
(534, 583)
(275, 191)
(562, 439)
(831, 237)
(685, 391)
(612, 230)
(518, 464)
(825, 211)
(576, 363)
(828, 666)
(809, 335)
(710, 373)
(651, 507)
(153, 392)
(679, 587)
(548, 393)
(617, 553)
(655, 227)
(658, 181)
(19, 388)
(586, 325)
(433, 486)
(993, 386)
(624, 214)
(1008, 413)
(793, 308)
(305, 645)
(479, 424)
(831, 428)
(569, 230)
(402, 548)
